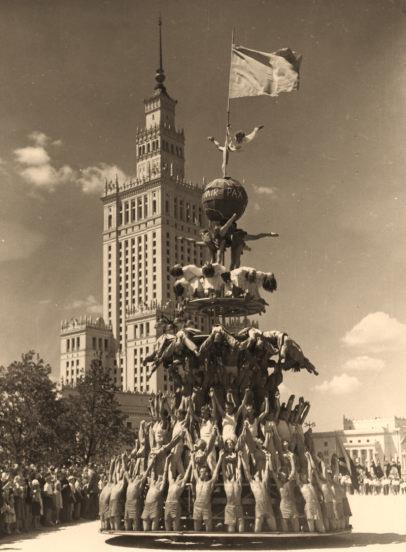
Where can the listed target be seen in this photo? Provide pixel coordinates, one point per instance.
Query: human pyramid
(257, 462)
(222, 438)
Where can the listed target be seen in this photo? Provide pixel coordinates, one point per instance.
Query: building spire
(160, 75)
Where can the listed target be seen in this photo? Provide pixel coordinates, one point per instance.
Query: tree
(33, 419)
(99, 424)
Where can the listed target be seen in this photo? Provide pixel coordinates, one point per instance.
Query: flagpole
(225, 152)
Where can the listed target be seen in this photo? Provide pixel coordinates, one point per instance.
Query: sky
(327, 171)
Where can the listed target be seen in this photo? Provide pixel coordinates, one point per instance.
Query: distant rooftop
(84, 322)
(377, 423)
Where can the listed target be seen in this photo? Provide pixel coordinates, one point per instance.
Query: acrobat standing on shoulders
(172, 504)
(202, 512)
(233, 513)
(259, 488)
(153, 500)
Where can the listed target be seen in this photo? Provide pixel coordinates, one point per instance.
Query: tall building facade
(149, 224)
(83, 340)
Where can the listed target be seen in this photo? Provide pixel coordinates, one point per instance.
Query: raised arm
(309, 466)
(166, 469)
(172, 443)
(117, 470)
(111, 470)
(268, 468)
(136, 467)
(252, 237)
(226, 226)
(293, 467)
(195, 473)
(245, 466)
(289, 405)
(277, 411)
(215, 142)
(148, 470)
(185, 478)
(212, 440)
(242, 405)
(169, 405)
(217, 468)
(265, 412)
(239, 467)
(218, 411)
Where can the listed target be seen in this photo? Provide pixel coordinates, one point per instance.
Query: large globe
(222, 198)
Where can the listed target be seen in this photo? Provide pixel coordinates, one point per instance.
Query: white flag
(255, 73)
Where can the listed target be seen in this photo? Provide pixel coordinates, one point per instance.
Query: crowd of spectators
(373, 478)
(32, 497)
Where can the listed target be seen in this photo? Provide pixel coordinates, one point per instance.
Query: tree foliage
(33, 420)
(39, 425)
(99, 424)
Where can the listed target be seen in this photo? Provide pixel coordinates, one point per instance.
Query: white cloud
(47, 176)
(264, 190)
(92, 179)
(36, 167)
(339, 385)
(17, 241)
(39, 138)
(31, 155)
(364, 363)
(377, 332)
(89, 304)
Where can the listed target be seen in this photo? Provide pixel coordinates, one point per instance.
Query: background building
(135, 407)
(149, 224)
(378, 439)
(83, 340)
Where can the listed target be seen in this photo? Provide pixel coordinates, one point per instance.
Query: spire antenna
(160, 74)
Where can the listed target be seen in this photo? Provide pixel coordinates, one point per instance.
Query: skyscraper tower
(146, 224)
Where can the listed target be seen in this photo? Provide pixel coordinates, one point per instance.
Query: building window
(94, 343)
(154, 203)
(78, 342)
